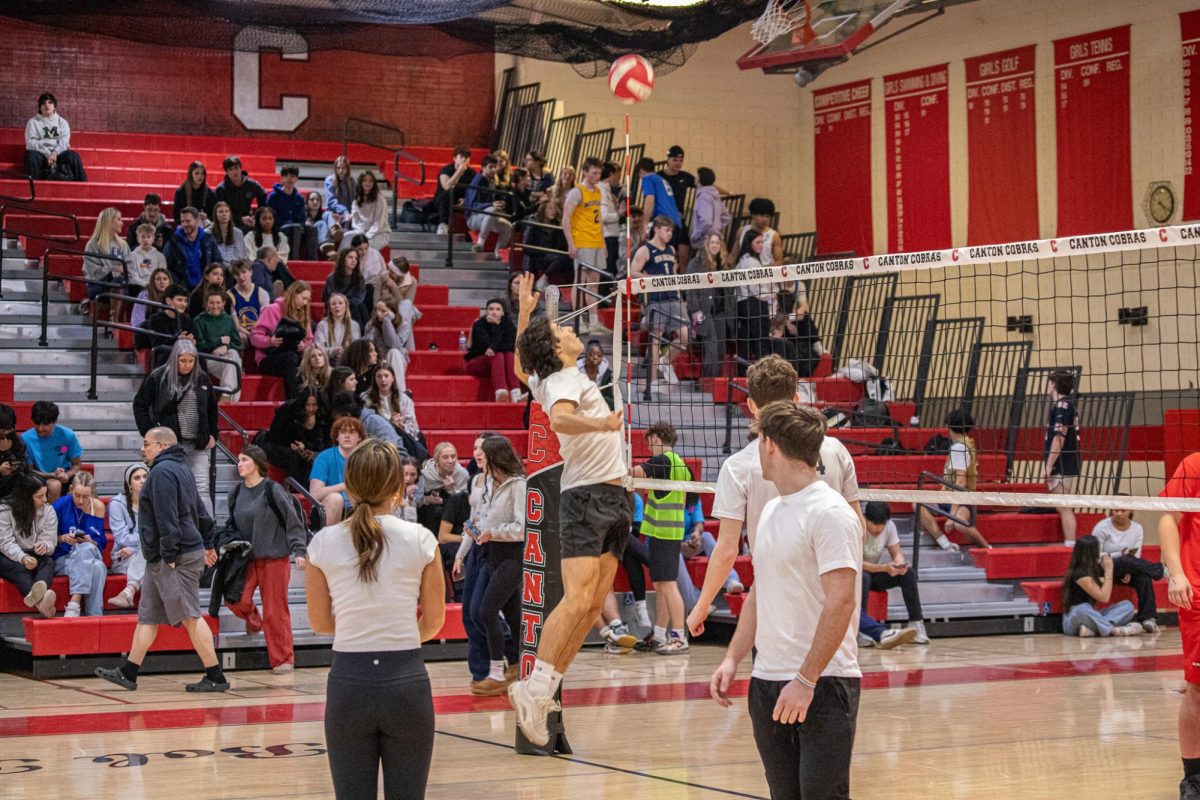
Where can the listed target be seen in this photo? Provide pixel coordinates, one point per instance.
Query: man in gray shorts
(176, 533)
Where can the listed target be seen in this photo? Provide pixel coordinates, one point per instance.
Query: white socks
(680, 634)
(496, 673)
(660, 633)
(544, 681)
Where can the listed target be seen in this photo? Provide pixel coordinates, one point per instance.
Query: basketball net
(782, 16)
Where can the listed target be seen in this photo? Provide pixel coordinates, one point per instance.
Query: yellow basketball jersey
(585, 219)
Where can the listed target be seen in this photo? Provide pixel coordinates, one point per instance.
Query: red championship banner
(1189, 25)
(918, 159)
(1001, 148)
(1095, 186)
(842, 168)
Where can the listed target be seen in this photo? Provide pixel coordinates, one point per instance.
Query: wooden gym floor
(1037, 716)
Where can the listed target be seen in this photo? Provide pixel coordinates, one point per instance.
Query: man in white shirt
(595, 511)
(1122, 538)
(801, 618)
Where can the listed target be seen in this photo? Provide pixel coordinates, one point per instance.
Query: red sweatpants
(498, 367)
(270, 576)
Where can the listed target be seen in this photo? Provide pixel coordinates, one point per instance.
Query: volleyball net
(897, 349)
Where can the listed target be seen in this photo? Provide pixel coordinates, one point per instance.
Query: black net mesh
(586, 33)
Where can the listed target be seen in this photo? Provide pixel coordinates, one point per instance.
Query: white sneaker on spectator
(643, 617)
(1132, 629)
(36, 593)
(540, 284)
(666, 372)
(443, 229)
(865, 641)
(1150, 625)
(922, 636)
(1085, 632)
(477, 247)
(503, 396)
(734, 587)
(46, 604)
(517, 396)
(1068, 543)
(124, 599)
(894, 638)
(72, 610)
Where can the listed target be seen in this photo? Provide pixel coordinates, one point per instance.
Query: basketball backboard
(835, 29)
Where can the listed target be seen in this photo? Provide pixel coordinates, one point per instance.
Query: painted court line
(133, 720)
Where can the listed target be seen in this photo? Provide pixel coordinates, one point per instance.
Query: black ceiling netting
(585, 33)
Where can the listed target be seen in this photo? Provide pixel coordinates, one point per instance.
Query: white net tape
(779, 17)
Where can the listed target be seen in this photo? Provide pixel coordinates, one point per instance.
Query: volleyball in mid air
(631, 78)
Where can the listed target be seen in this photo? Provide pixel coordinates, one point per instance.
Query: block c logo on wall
(247, 89)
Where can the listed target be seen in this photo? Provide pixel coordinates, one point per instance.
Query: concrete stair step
(437, 255)
(958, 592)
(55, 332)
(21, 354)
(959, 610)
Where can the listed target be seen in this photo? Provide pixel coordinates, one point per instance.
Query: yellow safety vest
(664, 513)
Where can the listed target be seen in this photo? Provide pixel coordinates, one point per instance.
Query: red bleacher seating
(1011, 563)
(99, 635)
(1048, 595)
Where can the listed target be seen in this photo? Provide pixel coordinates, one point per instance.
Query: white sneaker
(36, 593)
(540, 284)
(46, 604)
(1086, 633)
(1150, 625)
(503, 396)
(517, 396)
(666, 372)
(950, 547)
(922, 636)
(72, 610)
(125, 598)
(477, 247)
(673, 646)
(865, 641)
(284, 669)
(1070, 543)
(734, 587)
(619, 637)
(895, 638)
(1132, 629)
(443, 229)
(532, 712)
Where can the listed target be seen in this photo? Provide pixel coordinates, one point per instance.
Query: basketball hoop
(780, 17)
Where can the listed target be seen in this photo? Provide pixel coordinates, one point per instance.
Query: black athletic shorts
(664, 558)
(594, 520)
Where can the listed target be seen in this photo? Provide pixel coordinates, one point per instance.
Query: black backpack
(419, 212)
(939, 445)
(872, 414)
(272, 502)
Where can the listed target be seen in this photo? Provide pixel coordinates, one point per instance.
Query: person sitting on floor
(1089, 581)
(1122, 538)
(28, 529)
(81, 542)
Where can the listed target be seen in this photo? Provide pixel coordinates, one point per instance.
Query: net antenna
(782, 16)
(551, 294)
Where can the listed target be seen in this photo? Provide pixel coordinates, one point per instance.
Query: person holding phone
(885, 567)
(1088, 583)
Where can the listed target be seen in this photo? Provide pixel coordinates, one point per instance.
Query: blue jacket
(480, 194)
(186, 260)
(288, 208)
(171, 519)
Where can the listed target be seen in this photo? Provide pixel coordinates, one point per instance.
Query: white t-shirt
(742, 492)
(588, 458)
(381, 615)
(875, 548)
(802, 536)
(1116, 542)
(960, 457)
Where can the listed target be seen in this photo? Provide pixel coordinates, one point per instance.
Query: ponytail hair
(374, 475)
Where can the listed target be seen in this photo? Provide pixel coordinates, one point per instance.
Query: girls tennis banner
(1095, 185)
(917, 124)
(1189, 25)
(842, 168)
(1001, 147)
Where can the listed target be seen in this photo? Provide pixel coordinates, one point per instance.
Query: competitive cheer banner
(1095, 185)
(1032, 250)
(1189, 27)
(1001, 147)
(917, 124)
(842, 168)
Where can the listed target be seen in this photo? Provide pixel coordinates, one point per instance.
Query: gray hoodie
(48, 135)
(15, 544)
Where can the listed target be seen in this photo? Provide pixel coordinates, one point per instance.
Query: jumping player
(1179, 536)
(595, 511)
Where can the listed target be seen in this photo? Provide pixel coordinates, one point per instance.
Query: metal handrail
(5, 231)
(467, 212)
(9, 174)
(733, 387)
(318, 509)
(397, 151)
(43, 341)
(969, 522)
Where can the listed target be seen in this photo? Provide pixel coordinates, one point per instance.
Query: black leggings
(286, 365)
(635, 557)
(881, 582)
(379, 710)
(502, 595)
(1141, 575)
(23, 578)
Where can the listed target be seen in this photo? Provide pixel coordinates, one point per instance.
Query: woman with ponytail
(379, 572)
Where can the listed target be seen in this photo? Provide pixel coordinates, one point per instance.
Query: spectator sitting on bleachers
(263, 511)
(155, 291)
(709, 309)
(885, 567)
(1089, 581)
(709, 214)
(444, 477)
(299, 430)
(172, 322)
(190, 249)
(370, 263)
(179, 396)
(803, 334)
(391, 334)
(346, 279)
(453, 180)
(594, 364)
(339, 191)
(152, 215)
(778, 343)
(322, 230)
(288, 204)
(327, 478)
(548, 267)
(141, 264)
(369, 214)
(762, 212)
(561, 188)
(106, 241)
(127, 558)
(270, 273)
(342, 380)
(524, 205)
(414, 487)
(28, 536)
(54, 451)
(1122, 538)
(217, 334)
(246, 299)
(535, 164)
(230, 240)
(48, 153)
(195, 192)
(14, 459)
(699, 542)
(485, 208)
(315, 368)
(503, 169)
(240, 192)
(362, 358)
(512, 296)
(962, 469)
(664, 316)
(266, 232)
(337, 329)
(349, 404)
(399, 284)
(214, 278)
(283, 332)
(384, 400)
(81, 542)
(490, 347)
